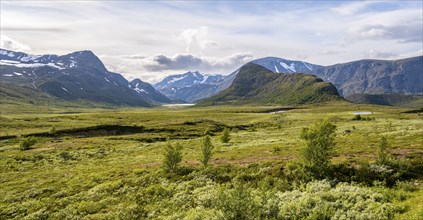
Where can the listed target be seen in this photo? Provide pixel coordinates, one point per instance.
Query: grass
(76, 174)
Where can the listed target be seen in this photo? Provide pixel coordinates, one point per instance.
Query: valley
(107, 163)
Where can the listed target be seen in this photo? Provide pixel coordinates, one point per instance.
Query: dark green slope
(18, 95)
(407, 101)
(255, 84)
(11, 94)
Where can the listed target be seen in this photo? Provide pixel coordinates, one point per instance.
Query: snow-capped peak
(279, 65)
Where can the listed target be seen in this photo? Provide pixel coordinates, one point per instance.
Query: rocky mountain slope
(376, 76)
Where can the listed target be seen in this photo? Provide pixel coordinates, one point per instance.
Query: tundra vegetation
(312, 162)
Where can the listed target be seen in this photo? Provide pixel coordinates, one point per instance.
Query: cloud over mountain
(154, 68)
(11, 44)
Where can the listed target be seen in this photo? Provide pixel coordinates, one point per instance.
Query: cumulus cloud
(197, 37)
(403, 33)
(11, 44)
(351, 8)
(401, 25)
(372, 53)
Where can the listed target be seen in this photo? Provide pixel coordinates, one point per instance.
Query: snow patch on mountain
(138, 90)
(177, 79)
(65, 89)
(29, 65)
(305, 64)
(204, 79)
(291, 67)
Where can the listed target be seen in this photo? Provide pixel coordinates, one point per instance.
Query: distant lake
(362, 113)
(276, 112)
(177, 105)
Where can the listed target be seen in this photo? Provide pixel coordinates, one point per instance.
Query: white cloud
(197, 37)
(401, 25)
(372, 53)
(11, 44)
(351, 8)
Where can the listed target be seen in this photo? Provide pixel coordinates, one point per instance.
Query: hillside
(255, 84)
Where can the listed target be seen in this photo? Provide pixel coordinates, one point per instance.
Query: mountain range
(82, 76)
(352, 79)
(403, 76)
(76, 76)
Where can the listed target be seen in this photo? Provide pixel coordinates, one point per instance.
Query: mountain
(376, 76)
(279, 65)
(76, 76)
(255, 84)
(189, 87)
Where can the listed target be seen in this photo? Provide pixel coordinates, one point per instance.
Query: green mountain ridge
(255, 84)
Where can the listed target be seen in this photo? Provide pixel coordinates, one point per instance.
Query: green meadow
(107, 163)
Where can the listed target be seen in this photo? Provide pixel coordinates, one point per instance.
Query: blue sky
(151, 39)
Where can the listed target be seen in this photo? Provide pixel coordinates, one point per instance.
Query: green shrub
(206, 150)
(382, 155)
(357, 117)
(208, 131)
(65, 155)
(237, 203)
(225, 137)
(172, 157)
(52, 130)
(360, 118)
(406, 186)
(320, 140)
(276, 149)
(27, 143)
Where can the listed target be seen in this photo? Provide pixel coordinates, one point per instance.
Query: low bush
(27, 143)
